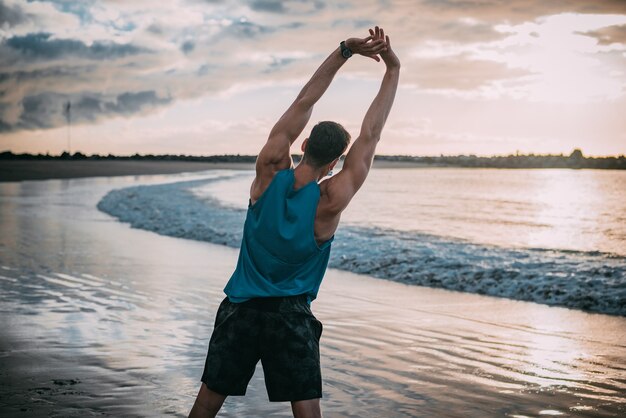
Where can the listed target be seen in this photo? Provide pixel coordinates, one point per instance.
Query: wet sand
(97, 318)
(16, 170)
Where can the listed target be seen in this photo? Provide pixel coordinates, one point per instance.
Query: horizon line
(136, 154)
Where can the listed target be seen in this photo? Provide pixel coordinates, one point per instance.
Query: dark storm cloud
(45, 110)
(11, 16)
(39, 45)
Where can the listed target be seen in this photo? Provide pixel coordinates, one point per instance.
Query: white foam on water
(586, 280)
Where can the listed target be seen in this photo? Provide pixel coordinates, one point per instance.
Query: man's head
(328, 140)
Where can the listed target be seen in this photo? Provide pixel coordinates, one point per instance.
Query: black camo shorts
(282, 332)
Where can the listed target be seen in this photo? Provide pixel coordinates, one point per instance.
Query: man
(289, 228)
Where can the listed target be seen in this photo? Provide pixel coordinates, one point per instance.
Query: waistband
(276, 303)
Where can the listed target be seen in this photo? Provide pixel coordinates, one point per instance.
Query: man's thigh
(233, 350)
(290, 356)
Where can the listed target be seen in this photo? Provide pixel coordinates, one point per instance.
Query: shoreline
(23, 170)
(44, 170)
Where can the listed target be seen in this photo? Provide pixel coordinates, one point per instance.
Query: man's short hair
(328, 140)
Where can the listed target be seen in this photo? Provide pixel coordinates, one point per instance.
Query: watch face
(346, 53)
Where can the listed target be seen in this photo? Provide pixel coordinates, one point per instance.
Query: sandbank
(17, 170)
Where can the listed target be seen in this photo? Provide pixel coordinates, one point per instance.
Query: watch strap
(345, 51)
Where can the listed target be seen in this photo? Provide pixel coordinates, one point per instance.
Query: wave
(591, 281)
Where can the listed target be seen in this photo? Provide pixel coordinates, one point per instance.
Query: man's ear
(303, 147)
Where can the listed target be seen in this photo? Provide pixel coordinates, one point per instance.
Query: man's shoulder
(264, 178)
(331, 196)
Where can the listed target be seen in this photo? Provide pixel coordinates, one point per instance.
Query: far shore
(18, 170)
(34, 169)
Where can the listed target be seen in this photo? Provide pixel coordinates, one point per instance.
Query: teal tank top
(279, 255)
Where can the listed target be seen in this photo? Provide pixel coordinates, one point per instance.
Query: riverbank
(17, 170)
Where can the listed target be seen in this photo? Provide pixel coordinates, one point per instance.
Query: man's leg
(207, 404)
(231, 359)
(291, 359)
(306, 409)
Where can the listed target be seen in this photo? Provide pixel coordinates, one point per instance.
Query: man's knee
(309, 408)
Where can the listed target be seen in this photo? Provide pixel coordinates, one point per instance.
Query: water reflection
(570, 203)
(550, 353)
(545, 208)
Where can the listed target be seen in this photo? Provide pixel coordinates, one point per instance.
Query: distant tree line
(575, 160)
(227, 158)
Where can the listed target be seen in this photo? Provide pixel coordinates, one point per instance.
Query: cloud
(517, 11)
(133, 102)
(106, 56)
(353, 23)
(46, 110)
(549, 58)
(609, 35)
(11, 16)
(39, 73)
(187, 46)
(459, 72)
(467, 30)
(286, 6)
(245, 29)
(40, 45)
(274, 6)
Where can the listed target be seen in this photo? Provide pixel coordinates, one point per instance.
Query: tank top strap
(281, 181)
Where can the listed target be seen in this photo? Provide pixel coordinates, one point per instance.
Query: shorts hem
(295, 398)
(222, 391)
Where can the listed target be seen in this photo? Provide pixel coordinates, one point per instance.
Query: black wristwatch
(345, 51)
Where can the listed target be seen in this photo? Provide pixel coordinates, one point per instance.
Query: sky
(206, 77)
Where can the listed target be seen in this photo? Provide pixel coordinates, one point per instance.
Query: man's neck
(305, 173)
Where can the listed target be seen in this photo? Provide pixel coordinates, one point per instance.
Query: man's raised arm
(275, 154)
(359, 159)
